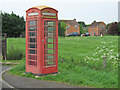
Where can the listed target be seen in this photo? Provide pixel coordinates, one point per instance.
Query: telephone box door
(50, 59)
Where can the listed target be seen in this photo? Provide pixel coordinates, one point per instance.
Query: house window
(67, 27)
(102, 27)
(76, 26)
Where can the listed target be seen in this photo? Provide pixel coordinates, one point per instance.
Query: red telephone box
(41, 40)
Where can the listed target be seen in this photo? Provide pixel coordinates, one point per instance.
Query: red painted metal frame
(40, 69)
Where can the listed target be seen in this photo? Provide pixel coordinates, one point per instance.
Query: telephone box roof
(41, 7)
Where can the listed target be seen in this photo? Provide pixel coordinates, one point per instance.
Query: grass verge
(74, 68)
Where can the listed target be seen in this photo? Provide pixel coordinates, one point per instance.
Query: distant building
(97, 28)
(71, 26)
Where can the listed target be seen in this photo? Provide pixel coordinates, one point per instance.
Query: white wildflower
(104, 54)
(111, 50)
(97, 59)
(117, 55)
(101, 50)
(106, 49)
(112, 56)
(102, 42)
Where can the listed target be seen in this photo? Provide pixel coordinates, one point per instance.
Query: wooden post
(4, 46)
(104, 62)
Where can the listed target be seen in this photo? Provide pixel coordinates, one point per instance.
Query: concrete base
(41, 74)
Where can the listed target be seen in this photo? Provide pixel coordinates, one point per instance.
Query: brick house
(97, 28)
(71, 26)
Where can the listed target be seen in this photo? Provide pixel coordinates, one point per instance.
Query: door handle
(42, 40)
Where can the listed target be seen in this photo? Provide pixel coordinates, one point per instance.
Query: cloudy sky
(82, 10)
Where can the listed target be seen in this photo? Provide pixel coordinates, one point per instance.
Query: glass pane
(49, 51)
(50, 34)
(32, 63)
(49, 45)
(50, 40)
(32, 34)
(32, 57)
(50, 23)
(33, 46)
(33, 22)
(32, 28)
(32, 51)
(49, 57)
(50, 28)
(50, 63)
(32, 40)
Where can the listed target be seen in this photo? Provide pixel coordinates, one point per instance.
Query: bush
(61, 29)
(15, 54)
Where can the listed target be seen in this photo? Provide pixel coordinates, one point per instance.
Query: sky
(83, 10)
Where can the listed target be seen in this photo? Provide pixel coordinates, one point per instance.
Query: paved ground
(2, 68)
(23, 82)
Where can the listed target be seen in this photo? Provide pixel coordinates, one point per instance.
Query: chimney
(74, 19)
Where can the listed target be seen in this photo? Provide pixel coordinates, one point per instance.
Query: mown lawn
(80, 61)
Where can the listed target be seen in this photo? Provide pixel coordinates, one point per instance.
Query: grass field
(82, 61)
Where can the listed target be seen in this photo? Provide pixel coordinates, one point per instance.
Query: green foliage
(82, 30)
(20, 68)
(113, 29)
(12, 24)
(88, 25)
(82, 23)
(61, 28)
(108, 25)
(15, 54)
(72, 67)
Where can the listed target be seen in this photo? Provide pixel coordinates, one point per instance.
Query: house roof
(96, 23)
(71, 22)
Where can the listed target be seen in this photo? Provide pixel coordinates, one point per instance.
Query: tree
(88, 25)
(12, 24)
(61, 28)
(114, 29)
(82, 23)
(82, 30)
(108, 25)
